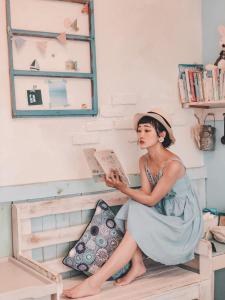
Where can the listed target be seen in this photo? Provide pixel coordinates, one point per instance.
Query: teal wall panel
(5, 230)
(213, 15)
(215, 162)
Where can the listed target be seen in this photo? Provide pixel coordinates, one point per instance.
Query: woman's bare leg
(137, 269)
(92, 285)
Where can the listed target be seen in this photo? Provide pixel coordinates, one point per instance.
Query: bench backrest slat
(24, 240)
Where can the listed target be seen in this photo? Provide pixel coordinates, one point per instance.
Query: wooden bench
(159, 283)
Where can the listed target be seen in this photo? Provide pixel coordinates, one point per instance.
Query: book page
(97, 171)
(109, 161)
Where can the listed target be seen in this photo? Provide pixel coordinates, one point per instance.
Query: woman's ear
(162, 134)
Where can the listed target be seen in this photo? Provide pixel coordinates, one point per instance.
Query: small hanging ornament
(71, 65)
(35, 65)
(74, 25)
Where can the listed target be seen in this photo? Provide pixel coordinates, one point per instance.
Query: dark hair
(158, 127)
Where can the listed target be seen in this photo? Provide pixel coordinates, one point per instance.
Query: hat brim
(161, 119)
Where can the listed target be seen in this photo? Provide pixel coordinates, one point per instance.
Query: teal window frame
(92, 75)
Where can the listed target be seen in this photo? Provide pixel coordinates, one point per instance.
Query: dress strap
(146, 162)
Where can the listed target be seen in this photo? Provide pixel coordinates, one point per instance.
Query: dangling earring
(161, 139)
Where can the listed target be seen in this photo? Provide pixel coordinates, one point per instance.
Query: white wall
(138, 44)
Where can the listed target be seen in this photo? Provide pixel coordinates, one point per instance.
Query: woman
(163, 219)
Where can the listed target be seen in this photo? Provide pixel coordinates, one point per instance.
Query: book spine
(188, 85)
(201, 89)
(205, 86)
(215, 83)
(183, 76)
(181, 90)
(209, 85)
(192, 87)
(223, 85)
(196, 86)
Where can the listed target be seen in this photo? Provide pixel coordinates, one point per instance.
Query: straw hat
(159, 116)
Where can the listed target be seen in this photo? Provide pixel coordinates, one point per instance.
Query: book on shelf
(199, 83)
(189, 82)
(102, 162)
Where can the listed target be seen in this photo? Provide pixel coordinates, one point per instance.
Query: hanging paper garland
(42, 46)
(62, 38)
(19, 42)
(67, 23)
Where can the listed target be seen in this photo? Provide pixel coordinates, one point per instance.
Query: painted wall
(213, 16)
(137, 59)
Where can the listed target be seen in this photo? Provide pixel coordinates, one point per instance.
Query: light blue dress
(169, 231)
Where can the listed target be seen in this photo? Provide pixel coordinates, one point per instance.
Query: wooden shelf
(210, 104)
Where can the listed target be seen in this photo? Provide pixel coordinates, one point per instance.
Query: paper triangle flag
(74, 25)
(19, 42)
(42, 46)
(85, 9)
(35, 65)
(67, 23)
(62, 38)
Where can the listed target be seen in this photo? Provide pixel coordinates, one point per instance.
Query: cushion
(97, 243)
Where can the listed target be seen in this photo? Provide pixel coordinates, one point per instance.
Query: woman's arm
(171, 173)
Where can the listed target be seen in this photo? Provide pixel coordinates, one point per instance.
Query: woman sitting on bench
(163, 218)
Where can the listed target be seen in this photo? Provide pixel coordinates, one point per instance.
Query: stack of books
(199, 83)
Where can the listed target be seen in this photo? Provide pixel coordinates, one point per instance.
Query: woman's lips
(141, 142)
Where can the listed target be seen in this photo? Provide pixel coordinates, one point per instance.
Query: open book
(102, 162)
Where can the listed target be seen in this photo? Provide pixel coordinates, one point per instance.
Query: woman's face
(147, 135)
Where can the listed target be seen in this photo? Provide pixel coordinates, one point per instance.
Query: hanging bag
(208, 135)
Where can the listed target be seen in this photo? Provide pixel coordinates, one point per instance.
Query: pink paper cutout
(62, 38)
(42, 46)
(67, 23)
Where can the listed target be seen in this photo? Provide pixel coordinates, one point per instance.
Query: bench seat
(158, 283)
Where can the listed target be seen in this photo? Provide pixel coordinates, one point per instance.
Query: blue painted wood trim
(52, 113)
(54, 35)
(93, 57)
(53, 74)
(9, 38)
(54, 189)
(65, 188)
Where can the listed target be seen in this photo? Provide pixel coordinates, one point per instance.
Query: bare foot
(135, 271)
(84, 289)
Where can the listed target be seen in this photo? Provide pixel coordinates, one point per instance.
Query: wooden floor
(156, 284)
